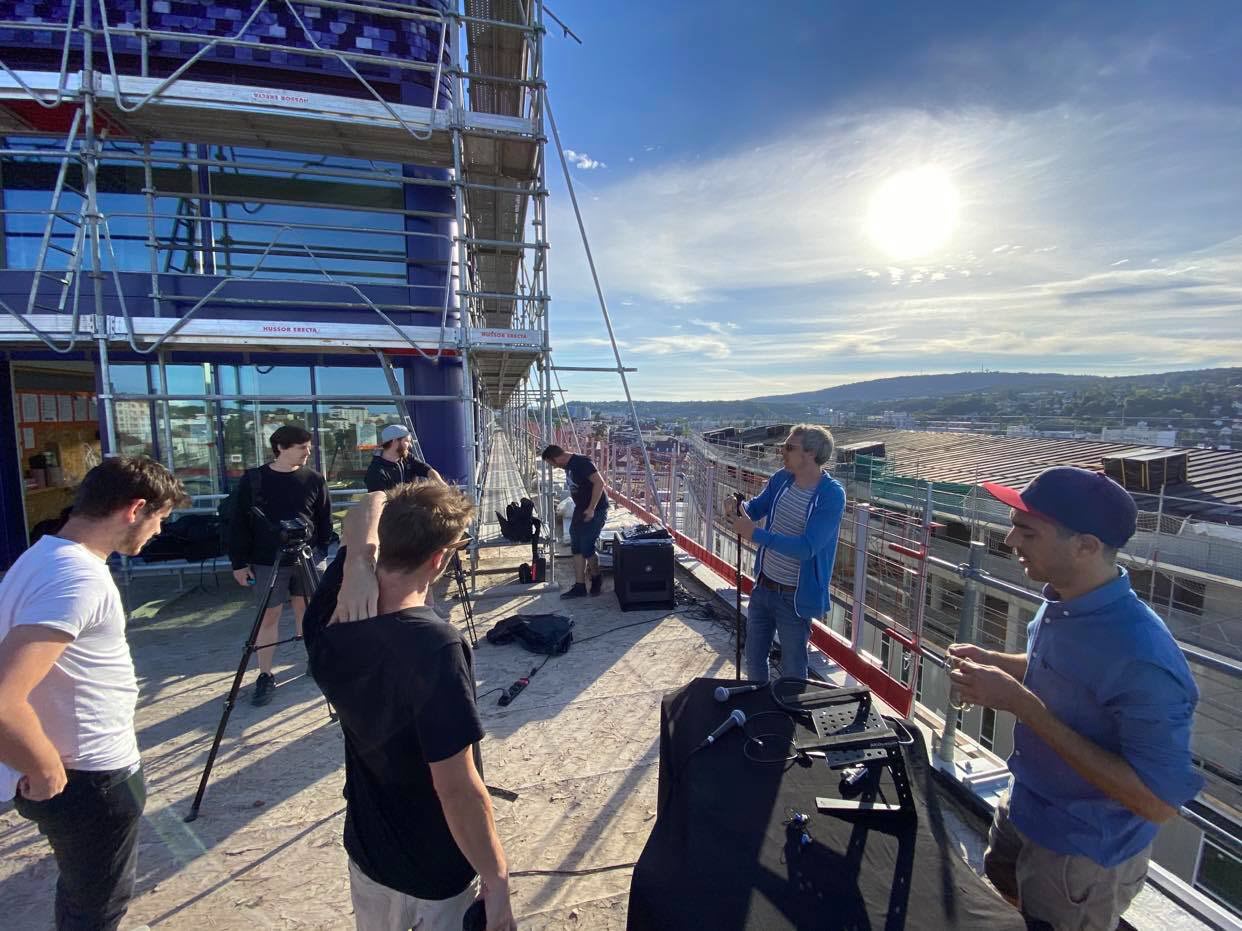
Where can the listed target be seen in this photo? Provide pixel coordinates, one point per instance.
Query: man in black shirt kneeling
(418, 820)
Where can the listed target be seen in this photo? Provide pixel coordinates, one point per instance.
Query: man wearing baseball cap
(1104, 702)
(393, 465)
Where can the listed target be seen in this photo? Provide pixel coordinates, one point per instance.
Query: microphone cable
(758, 739)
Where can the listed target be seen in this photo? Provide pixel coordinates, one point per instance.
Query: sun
(913, 213)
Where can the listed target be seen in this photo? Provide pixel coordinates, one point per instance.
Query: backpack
(551, 634)
(519, 523)
(192, 537)
(227, 511)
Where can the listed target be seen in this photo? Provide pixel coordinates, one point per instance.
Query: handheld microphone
(724, 694)
(737, 718)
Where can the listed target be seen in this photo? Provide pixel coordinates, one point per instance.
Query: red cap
(1007, 496)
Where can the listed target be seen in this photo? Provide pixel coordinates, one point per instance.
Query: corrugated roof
(1213, 491)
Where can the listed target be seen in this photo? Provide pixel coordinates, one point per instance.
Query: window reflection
(191, 429)
(349, 437)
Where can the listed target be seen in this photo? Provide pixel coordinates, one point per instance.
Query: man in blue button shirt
(1104, 701)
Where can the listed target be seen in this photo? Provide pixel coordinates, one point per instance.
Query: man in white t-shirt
(68, 690)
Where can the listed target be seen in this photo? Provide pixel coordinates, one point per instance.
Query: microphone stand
(739, 625)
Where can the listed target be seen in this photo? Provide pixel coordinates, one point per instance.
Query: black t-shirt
(580, 469)
(283, 496)
(403, 686)
(382, 474)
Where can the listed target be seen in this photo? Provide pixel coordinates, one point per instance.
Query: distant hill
(1198, 392)
(932, 386)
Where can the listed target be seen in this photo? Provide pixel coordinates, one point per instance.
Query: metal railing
(907, 581)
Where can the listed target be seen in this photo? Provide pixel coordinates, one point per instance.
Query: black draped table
(721, 856)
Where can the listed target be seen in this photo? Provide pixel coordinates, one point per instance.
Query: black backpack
(519, 522)
(227, 511)
(551, 634)
(192, 537)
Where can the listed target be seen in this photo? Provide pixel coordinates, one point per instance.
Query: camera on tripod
(294, 533)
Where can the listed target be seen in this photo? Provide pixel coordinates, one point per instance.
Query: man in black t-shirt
(394, 465)
(586, 487)
(287, 491)
(418, 820)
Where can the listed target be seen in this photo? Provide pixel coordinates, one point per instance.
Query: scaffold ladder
(402, 408)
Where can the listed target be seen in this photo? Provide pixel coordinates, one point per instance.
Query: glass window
(987, 730)
(241, 449)
(345, 380)
(1220, 874)
(266, 380)
(352, 236)
(274, 416)
(349, 437)
(134, 435)
(192, 429)
(28, 185)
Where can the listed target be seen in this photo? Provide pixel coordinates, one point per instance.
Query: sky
(782, 197)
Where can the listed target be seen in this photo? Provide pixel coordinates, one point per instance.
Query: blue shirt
(1106, 666)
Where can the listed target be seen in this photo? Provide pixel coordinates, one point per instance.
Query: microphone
(724, 694)
(736, 719)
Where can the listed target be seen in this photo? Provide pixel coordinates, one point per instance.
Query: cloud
(582, 160)
(771, 239)
(719, 327)
(710, 346)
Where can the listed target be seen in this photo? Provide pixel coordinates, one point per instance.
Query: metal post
(1155, 553)
(603, 305)
(90, 168)
(920, 586)
(709, 504)
(965, 634)
(167, 427)
(671, 514)
(858, 611)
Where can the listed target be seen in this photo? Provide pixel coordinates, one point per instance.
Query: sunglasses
(792, 447)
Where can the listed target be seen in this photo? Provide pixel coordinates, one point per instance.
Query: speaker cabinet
(643, 574)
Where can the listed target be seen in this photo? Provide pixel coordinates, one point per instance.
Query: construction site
(222, 218)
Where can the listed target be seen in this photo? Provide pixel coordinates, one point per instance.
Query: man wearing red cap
(1104, 701)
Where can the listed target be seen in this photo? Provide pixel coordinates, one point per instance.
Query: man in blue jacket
(801, 508)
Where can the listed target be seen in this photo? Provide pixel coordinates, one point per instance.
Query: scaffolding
(129, 94)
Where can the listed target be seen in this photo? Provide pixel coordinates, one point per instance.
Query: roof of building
(1213, 491)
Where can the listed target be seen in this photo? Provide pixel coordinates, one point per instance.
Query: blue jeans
(773, 612)
(583, 535)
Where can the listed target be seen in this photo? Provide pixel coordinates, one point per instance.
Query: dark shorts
(584, 535)
(288, 583)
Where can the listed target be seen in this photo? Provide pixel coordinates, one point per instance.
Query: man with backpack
(284, 489)
(394, 465)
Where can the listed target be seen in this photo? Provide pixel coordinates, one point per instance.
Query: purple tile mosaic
(331, 29)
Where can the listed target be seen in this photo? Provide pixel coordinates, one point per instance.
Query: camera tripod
(308, 575)
(463, 595)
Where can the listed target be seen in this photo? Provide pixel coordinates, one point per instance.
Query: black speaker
(643, 574)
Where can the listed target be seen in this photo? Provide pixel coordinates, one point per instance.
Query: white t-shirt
(86, 701)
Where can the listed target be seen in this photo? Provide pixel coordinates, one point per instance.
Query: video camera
(293, 534)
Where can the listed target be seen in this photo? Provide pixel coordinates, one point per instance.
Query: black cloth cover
(721, 857)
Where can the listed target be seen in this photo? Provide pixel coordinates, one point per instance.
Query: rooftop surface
(579, 746)
(1213, 491)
